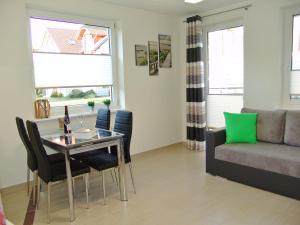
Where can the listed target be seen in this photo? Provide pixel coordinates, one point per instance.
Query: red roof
(65, 40)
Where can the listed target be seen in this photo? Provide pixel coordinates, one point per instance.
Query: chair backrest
(103, 119)
(123, 124)
(44, 168)
(31, 158)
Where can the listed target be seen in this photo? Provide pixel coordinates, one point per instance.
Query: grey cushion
(270, 125)
(292, 128)
(282, 159)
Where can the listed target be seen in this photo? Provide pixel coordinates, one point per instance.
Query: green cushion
(240, 127)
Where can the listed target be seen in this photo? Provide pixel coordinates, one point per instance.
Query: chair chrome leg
(38, 192)
(86, 178)
(49, 202)
(116, 176)
(42, 186)
(73, 183)
(132, 179)
(103, 186)
(28, 178)
(112, 176)
(34, 186)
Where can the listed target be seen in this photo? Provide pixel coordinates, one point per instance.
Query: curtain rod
(217, 13)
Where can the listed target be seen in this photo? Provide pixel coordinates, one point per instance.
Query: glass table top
(79, 137)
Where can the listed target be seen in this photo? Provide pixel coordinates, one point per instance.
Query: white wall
(16, 90)
(155, 101)
(264, 40)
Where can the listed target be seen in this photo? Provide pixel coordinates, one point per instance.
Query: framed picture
(153, 57)
(165, 56)
(141, 55)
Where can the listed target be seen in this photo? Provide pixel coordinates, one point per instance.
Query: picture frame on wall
(153, 57)
(141, 55)
(165, 55)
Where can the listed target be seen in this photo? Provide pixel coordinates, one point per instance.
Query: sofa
(272, 164)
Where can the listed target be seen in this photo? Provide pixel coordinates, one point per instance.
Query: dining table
(77, 142)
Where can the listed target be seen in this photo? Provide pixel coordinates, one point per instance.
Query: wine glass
(81, 119)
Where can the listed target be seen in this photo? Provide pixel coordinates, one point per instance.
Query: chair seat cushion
(57, 157)
(58, 170)
(282, 159)
(101, 161)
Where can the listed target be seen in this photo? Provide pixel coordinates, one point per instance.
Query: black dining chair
(51, 173)
(103, 119)
(123, 124)
(108, 161)
(31, 158)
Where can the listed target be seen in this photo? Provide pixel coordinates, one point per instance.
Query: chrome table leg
(70, 186)
(86, 179)
(122, 172)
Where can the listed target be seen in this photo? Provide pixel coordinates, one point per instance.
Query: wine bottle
(67, 122)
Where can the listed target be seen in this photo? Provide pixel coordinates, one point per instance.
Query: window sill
(73, 115)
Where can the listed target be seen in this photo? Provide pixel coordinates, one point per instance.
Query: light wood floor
(172, 189)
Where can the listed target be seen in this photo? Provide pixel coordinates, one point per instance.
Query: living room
(172, 185)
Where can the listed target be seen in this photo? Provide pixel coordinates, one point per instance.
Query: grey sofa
(272, 164)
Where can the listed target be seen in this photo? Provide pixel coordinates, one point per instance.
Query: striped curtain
(195, 94)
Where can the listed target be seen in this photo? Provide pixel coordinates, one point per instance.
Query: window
(225, 65)
(296, 43)
(295, 65)
(72, 62)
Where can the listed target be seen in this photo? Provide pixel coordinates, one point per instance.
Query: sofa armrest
(213, 138)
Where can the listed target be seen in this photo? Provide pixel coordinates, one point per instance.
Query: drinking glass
(81, 120)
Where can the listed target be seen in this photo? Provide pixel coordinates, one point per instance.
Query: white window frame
(288, 16)
(44, 14)
(212, 28)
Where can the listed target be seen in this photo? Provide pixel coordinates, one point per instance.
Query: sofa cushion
(270, 125)
(240, 127)
(282, 159)
(292, 128)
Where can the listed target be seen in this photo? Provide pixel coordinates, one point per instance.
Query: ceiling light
(193, 1)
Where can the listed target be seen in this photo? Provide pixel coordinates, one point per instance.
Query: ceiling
(175, 7)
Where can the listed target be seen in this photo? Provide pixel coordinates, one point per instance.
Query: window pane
(73, 96)
(65, 70)
(226, 60)
(296, 43)
(65, 37)
(72, 62)
(226, 70)
(217, 104)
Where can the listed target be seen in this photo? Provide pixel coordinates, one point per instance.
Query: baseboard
(14, 188)
(159, 148)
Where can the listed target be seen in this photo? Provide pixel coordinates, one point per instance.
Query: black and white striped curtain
(195, 94)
